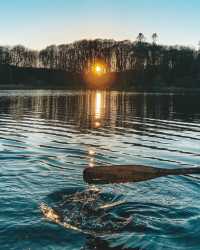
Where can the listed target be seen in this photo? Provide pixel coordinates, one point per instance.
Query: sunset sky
(38, 23)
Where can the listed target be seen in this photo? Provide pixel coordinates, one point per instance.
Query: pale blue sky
(38, 23)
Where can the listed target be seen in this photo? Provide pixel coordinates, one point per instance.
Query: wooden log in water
(130, 173)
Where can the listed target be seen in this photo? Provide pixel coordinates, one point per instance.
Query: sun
(98, 69)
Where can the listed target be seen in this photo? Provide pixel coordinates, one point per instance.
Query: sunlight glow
(97, 124)
(91, 152)
(98, 69)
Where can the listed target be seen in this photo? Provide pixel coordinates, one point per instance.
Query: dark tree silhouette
(141, 38)
(147, 62)
(154, 38)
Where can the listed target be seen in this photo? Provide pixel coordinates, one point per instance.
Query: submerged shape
(87, 212)
(53, 216)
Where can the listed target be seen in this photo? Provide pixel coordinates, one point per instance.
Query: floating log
(130, 173)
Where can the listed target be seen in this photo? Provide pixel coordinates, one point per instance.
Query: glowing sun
(98, 69)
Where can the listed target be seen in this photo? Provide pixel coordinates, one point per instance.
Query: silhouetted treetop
(142, 58)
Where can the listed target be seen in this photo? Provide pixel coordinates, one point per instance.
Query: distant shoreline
(12, 77)
(137, 90)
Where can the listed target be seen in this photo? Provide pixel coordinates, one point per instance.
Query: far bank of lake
(12, 77)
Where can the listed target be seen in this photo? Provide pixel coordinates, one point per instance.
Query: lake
(48, 137)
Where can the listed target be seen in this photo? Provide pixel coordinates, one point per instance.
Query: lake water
(48, 137)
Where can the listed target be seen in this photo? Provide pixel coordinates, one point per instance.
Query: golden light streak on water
(98, 105)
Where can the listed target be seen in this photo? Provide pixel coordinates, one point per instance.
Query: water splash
(53, 216)
(86, 211)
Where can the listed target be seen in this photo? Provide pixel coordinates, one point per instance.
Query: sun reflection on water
(91, 156)
(98, 105)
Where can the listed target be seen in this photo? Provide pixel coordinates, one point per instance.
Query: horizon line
(191, 46)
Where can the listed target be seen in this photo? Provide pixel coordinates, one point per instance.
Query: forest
(136, 63)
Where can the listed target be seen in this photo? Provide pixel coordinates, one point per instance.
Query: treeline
(147, 61)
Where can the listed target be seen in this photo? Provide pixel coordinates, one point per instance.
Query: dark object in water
(130, 173)
(89, 212)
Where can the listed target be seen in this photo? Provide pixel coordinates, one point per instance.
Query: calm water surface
(46, 139)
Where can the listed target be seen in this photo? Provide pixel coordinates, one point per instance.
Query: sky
(39, 23)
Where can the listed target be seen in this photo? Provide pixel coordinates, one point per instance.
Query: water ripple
(48, 137)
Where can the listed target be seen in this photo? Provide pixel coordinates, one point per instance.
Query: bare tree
(154, 38)
(140, 38)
